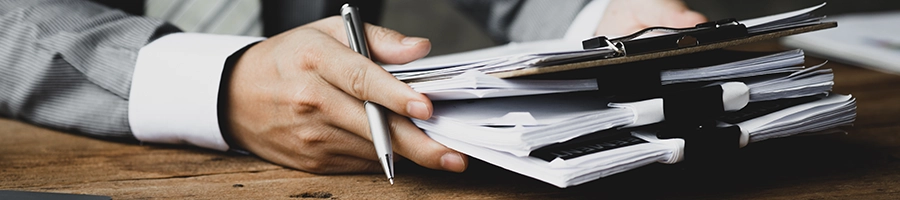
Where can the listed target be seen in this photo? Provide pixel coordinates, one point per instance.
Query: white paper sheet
(864, 39)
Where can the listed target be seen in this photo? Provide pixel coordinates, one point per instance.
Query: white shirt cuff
(175, 86)
(585, 24)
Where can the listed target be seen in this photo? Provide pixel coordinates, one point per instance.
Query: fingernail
(410, 41)
(453, 161)
(418, 110)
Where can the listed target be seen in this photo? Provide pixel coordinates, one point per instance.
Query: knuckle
(310, 58)
(382, 33)
(315, 166)
(306, 100)
(317, 144)
(358, 85)
(310, 143)
(311, 139)
(311, 50)
(330, 25)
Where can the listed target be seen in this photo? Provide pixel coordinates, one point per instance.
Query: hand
(623, 17)
(296, 100)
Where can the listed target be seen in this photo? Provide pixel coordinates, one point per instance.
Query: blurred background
(450, 31)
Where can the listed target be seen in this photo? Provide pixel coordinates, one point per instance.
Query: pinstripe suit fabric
(67, 64)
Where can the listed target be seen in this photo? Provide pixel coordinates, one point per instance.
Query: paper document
(474, 85)
(521, 124)
(517, 56)
(807, 82)
(771, 22)
(787, 61)
(833, 111)
(518, 125)
(604, 117)
(865, 39)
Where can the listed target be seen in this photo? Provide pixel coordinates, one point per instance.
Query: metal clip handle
(704, 33)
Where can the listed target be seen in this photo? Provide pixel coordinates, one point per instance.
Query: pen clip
(355, 30)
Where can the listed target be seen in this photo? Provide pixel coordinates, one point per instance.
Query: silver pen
(379, 127)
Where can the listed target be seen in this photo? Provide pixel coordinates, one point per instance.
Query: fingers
(364, 80)
(350, 78)
(407, 139)
(669, 13)
(385, 45)
(343, 142)
(412, 143)
(690, 17)
(325, 150)
(623, 17)
(339, 164)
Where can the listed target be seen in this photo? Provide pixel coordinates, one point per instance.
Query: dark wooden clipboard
(650, 56)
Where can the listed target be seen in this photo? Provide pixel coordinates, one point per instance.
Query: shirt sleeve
(174, 89)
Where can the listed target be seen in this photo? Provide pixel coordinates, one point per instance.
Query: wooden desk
(864, 164)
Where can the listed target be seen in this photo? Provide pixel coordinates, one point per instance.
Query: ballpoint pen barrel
(380, 130)
(379, 127)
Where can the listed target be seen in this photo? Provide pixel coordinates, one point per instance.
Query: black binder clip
(705, 140)
(587, 144)
(701, 34)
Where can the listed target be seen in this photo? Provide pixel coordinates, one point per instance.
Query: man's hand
(623, 17)
(296, 100)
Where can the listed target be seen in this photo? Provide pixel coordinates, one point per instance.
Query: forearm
(68, 65)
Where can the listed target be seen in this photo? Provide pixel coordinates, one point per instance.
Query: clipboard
(662, 54)
(628, 67)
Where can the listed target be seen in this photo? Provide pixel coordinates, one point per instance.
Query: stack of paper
(771, 75)
(833, 111)
(517, 56)
(475, 85)
(570, 131)
(788, 61)
(519, 124)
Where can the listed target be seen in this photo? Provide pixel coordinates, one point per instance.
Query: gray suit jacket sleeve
(522, 20)
(67, 64)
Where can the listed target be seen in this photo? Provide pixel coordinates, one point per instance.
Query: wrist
(223, 103)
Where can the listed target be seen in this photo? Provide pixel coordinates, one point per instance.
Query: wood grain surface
(862, 164)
